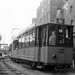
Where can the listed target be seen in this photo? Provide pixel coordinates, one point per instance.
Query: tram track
(6, 69)
(27, 70)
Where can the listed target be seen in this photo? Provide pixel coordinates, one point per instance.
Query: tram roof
(30, 28)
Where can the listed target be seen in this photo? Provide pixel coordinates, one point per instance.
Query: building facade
(69, 15)
(46, 12)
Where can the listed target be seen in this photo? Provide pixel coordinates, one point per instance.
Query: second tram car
(48, 44)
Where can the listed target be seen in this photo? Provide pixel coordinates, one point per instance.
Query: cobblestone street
(10, 67)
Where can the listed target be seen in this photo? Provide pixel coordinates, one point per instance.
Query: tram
(49, 44)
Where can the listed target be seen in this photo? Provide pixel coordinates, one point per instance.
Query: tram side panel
(26, 54)
(43, 54)
(14, 54)
(36, 54)
(40, 54)
(56, 55)
(46, 55)
(20, 53)
(69, 55)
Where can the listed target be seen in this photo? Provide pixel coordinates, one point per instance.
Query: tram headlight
(54, 56)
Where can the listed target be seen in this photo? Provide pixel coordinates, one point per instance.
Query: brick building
(69, 15)
(46, 12)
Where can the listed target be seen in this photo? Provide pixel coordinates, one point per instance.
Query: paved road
(28, 71)
(5, 69)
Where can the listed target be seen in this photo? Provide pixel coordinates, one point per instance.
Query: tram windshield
(60, 35)
(65, 36)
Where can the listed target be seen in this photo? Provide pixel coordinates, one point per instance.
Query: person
(52, 39)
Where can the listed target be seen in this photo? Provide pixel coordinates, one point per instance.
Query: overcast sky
(16, 14)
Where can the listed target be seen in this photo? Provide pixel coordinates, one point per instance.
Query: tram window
(60, 36)
(66, 33)
(40, 36)
(46, 41)
(0, 54)
(27, 42)
(44, 35)
(23, 41)
(20, 42)
(32, 37)
(52, 35)
(69, 38)
(65, 36)
(16, 44)
(37, 37)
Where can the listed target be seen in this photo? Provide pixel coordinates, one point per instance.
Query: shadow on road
(63, 71)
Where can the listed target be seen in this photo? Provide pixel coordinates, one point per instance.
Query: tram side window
(52, 35)
(33, 38)
(46, 41)
(16, 43)
(37, 37)
(60, 35)
(20, 42)
(30, 38)
(69, 37)
(41, 36)
(44, 28)
(0, 54)
(27, 40)
(24, 44)
(13, 45)
(23, 41)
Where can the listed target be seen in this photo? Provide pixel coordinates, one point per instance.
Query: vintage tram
(48, 44)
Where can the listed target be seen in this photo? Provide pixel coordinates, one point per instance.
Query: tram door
(38, 36)
(41, 42)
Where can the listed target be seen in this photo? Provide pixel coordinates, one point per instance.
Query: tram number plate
(61, 51)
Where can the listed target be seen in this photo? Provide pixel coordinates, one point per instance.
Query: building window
(42, 10)
(48, 16)
(48, 1)
(45, 5)
(71, 8)
(45, 18)
(71, 22)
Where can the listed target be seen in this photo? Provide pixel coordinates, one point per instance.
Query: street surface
(8, 67)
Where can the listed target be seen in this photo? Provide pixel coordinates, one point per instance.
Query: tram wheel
(33, 65)
(68, 66)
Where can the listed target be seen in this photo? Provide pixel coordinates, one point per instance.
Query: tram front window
(69, 37)
(64, 36)
(52, 35)
(60, 38)
(60, 35)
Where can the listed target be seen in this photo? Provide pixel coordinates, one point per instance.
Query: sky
(16, 14)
